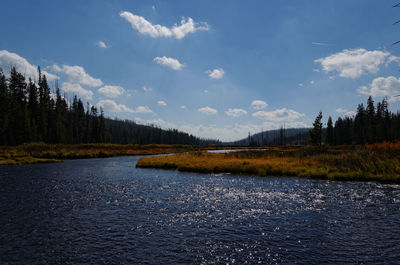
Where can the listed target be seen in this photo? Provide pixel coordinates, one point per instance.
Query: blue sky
(216, 69)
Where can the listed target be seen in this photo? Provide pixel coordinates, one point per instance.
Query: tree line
(371, 124)
(29, 112)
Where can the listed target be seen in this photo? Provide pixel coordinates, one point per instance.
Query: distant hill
(276, 137)
(129, 132)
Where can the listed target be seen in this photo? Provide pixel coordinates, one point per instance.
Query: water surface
(108, 211)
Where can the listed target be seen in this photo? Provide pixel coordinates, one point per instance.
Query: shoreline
(379, 162)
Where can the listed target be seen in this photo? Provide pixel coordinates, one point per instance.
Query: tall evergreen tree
(329, 132)
(316, 131)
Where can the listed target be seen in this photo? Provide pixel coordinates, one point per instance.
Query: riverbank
(377, 162)
(47, 153)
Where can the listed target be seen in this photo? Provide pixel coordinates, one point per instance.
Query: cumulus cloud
(10, 59)
(143, 109)
(101, 44)
(208, 111)
(383, 87)
(145, 27)
(235, 113)
(111, 91)
(217, 73)
(161, 103)
(283, 114)
(355, 62)
(259, 104)
(76, 89)
(77, 74)
(235, 131)
(345, 112)
(110, 106)
(169, 62)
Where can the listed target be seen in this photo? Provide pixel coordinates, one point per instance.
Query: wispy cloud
(283, 114)
(145, 27)
(169, 62)
(147, 89)
(161, 103)
(320, 43)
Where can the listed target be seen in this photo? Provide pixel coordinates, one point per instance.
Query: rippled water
(107, 211)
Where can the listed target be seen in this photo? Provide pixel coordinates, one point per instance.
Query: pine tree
(316, 131)
(329, 132)
(360, 125)
(371, 126)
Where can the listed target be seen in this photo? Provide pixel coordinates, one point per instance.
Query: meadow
(47, 153)
(376, 162)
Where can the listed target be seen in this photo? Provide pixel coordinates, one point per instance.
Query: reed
(379, 162)
(40, 152)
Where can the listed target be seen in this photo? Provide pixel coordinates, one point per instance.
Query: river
(107, 211)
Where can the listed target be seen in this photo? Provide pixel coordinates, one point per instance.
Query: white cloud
(161, 103)
(110, 106)
(143, 109)
(205, 91)
(236, 131)
(217, 73)
(312, 82)
(101, 44)
(259, 104)
(283, 114)
(383, 87)
(147, 89)
(153, 7)
(76, 74)
(111, 91)
(169, 62)
(316, 70)
(346, 112)
(147, 28)
(235, 113)
(183, 107)
(76, 89)
(10, 59)
(208, 111)
(340, 110)
(300, 84)
(355, 62)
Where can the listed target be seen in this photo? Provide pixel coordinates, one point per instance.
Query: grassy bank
(45, 153)
(378, 162)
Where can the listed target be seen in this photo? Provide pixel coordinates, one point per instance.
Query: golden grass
(41, 153)
(379, 163)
